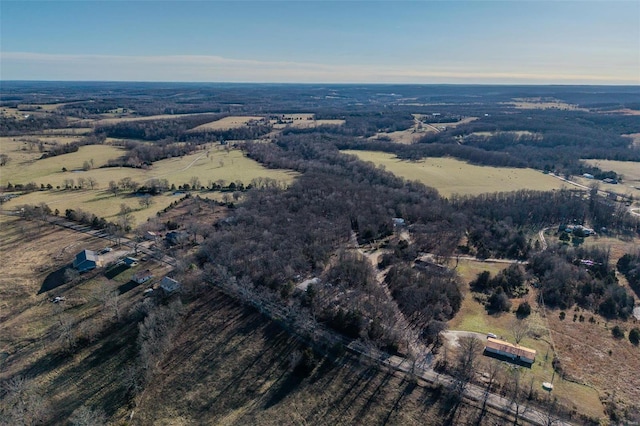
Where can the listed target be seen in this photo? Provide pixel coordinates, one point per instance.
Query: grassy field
(213, 166)
(630, 170)
(24, 166)
(30, 323)
(450, 176)
(540, 103)
(225, 123)
(473, 317)
(116, 120)
(518, 133)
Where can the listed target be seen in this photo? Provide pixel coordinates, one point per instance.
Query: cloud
(201, 68)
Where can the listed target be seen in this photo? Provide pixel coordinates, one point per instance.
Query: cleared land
(630, 170)
(635, 137)
(24, 166)
(32, 338)
(303, 120)
(116, 120)
(473, 317)
(218, 166)
(232, 122)
(543, 103)
(450, 176)
(518, 133)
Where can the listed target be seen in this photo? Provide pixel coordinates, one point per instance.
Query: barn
(85, 261)
(505, 350)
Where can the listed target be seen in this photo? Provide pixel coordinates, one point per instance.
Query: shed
(516, 353)
(130, 261)
(169, 285)
(85, 261)
(142, 277)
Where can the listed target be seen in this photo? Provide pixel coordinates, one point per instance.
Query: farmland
(225, 123)
(630, 170)
(216, 165)
(450, 176)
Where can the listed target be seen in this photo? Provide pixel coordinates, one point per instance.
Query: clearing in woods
(450, 176)
(474, 317)
(226, 123)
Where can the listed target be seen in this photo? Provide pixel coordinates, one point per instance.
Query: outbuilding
(86, 260)
(169, 285)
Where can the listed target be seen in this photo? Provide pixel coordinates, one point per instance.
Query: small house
(174, 238)
(169, 285)
(142, 277)
(515, 353)
(86, 260)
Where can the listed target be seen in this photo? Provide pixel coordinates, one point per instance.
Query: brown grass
(226, 123)
(230, 366)
(29, 321)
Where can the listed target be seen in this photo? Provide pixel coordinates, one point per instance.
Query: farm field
(518, 133)
(630, 170)
(473, 317)
(543, 103)
(450, 176)
(116, 120)
(226, 123)
(219, 165)
(24, 166)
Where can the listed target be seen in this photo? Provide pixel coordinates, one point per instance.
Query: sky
(424, 42)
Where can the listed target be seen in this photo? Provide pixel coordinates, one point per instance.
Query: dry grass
(630, 170)
(589, 353)
(518, 133)
(240, 375)
(405, 137)
(232, 122)
(30, 322)
(450, 176)
(543, 103)
(473, 317)
(635, 137)
(116, 120)
(213, 166)
(24, 166)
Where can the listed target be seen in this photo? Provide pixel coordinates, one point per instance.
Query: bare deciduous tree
(520, 328)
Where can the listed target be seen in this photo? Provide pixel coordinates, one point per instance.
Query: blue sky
(504, 42)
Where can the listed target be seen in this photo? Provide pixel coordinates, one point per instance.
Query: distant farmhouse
(514, 353)
(86, 260)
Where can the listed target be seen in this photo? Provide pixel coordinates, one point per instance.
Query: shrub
(617, 332)
(524, 310)
(634, 336)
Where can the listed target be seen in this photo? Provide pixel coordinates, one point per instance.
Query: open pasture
(517, 133)
(226, 123)
(302, 121)
(630, 170)
(24, 167)
(543, 103)
(635, 138)
(450, 176)
(218, 166)
(116, 120)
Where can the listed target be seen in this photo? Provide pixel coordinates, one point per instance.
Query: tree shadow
(54, 280)
(114, 271)
(128, 286)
